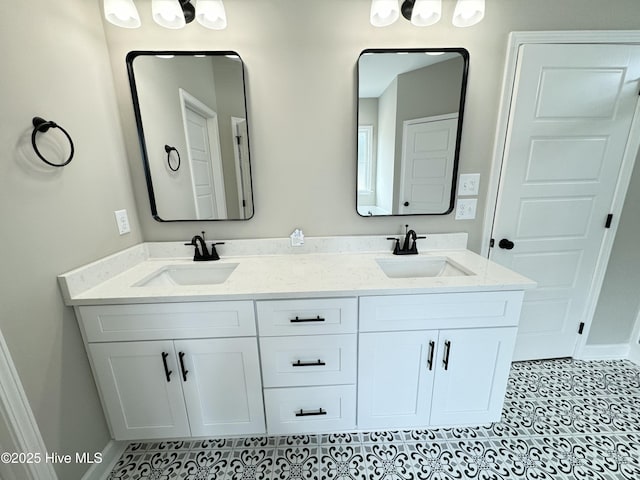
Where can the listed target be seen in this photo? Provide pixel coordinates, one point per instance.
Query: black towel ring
(170, 149)
(42, 125)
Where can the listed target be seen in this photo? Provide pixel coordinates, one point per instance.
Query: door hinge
(607, 224)
(244, 203)
(581, 328)
(492, 242)
(238, 139)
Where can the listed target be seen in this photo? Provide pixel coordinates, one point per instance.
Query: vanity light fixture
(171, 14)
(384, 12)
(468, 12)
(423, 13)
(211, 14)
(122, 13)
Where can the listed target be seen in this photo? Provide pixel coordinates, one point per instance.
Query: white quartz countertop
(306, 273)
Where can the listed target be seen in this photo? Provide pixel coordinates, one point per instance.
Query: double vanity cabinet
(294, 362)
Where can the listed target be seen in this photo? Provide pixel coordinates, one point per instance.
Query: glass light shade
(468, 12)
(211, 14)
(122, 13)
(168, 13)
(426, 12)
(384, 12)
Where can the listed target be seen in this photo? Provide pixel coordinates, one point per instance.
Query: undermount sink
(196, 274)
(419, 267)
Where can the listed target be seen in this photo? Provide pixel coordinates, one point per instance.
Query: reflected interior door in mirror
(193, 103)
(410, 110)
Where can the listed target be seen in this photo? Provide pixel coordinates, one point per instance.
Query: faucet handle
(396, 248)
(213, 255)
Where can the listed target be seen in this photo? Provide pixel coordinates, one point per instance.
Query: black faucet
(409, 247)
(201, 253)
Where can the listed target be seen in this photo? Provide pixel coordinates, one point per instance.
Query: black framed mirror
(410, 112)
(191, 115)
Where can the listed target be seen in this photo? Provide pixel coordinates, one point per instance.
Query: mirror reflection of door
(205, 159)
(428, 152)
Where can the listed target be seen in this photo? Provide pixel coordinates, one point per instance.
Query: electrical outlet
(469, 184)
(466, 208)
(123, 221)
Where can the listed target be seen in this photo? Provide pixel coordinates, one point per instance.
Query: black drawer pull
(447, 351)
(319, 363)
(302, 413)
(184, 370)
(304, 320)
(167, 372)
(432, 347)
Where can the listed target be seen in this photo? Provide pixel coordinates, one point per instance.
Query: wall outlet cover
(466, 208)
(469, 184)
(122, 220)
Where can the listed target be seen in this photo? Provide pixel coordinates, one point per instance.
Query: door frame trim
(516, 40)
(18, 419)
(634, 342)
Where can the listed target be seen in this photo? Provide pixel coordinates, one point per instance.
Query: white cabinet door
(395, 379)
(141, 396)
(472, 370)
(222, 387)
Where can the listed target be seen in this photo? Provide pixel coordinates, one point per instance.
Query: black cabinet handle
(506, 244)
(302, 413)
(447, 351)
(303, 320)
(167, 372)
(406, 204)
(432, 348)
(299, 363)
(184, 370)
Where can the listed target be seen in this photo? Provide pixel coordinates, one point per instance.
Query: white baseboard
(634, 355)
(110, 455)
(617, 351)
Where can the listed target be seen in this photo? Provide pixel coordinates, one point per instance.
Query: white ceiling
(377, 70)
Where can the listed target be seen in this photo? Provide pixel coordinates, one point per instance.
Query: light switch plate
(466, 208)
(469, 184)
(123, 222)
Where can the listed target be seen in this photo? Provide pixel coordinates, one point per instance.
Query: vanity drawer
(307, 316)
(106, 323)
(308, 360)
(443, 310)
(310, 409)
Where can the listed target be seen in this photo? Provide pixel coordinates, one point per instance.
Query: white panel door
(201, 165)
(395, 378)
(428, 153)
(472, 371)
(222, 387)
(569, 124)
(142, 397)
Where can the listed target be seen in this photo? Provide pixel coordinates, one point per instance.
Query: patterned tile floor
(563, 420)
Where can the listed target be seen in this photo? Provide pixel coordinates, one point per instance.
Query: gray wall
(55, 65)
